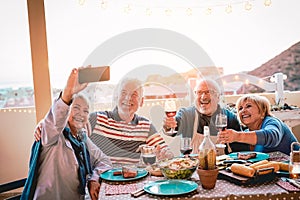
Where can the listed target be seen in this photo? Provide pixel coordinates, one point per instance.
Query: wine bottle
(207, 152)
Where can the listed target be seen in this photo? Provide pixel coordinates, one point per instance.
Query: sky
(239, 41)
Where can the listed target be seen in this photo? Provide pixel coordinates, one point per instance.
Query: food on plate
(178, 168)
(243, 170)
(222, 157)
(129, 172)
(268, 165)
(246, 155)
(262, 162)
(154, 170)
(284, 166)
(117, 173)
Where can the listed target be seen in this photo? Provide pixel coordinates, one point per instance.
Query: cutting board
(242, 180)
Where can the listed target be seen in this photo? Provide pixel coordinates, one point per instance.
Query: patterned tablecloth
(224, 190)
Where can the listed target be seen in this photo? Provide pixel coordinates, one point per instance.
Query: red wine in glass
(221, 122)
(149, 159)
(186, 151)
(170, 113)
(170, 110)
(185, 145)
(221, 127)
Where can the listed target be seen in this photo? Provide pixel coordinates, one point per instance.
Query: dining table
(225, 189)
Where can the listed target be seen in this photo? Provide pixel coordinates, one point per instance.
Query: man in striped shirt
(120, 132)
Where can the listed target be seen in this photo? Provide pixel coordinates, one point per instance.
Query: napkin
(287, 186)
(120, 189)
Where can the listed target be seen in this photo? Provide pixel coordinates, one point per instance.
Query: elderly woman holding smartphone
(266, 132)
(64, 159)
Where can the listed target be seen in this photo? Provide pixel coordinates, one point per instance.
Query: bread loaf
(274, 165)
(262, 162)
(282, 166)
(242, 170)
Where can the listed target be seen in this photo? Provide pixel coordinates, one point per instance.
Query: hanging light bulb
(148, 11)
(228, 8)
(208, 11)
(248, 6)
(127, 9)
(81, 2)
(189, 12)
(168, 12)
(268, 2)
(103, 5)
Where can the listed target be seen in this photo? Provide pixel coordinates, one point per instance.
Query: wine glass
(221, 124)
(170, 110)
(148, 158)
(148, 155)
(185, 146)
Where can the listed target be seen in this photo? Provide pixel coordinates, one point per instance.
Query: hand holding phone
(94, 74)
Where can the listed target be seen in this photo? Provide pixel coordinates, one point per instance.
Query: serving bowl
(178, 168)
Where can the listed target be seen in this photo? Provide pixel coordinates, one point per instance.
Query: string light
(268, 2)
(103, 5)
(248, 6)
(127, 9)
(81, 2)
(18, 110)
(168, 12)
(208, 11)
(228, 8)
(148, 12)
(189, 10)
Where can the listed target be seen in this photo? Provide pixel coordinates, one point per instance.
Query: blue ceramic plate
(259, 156)
(170, 187)
(109, 176)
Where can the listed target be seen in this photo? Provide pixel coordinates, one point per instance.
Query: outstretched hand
(73, 86)
(227, 136)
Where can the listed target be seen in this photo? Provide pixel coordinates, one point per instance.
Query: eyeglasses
(131, 95)
(206, 92)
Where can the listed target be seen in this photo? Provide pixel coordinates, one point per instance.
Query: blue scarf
(82, 156)
(30, 184)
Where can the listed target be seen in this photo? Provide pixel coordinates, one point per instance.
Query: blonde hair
(261, 102)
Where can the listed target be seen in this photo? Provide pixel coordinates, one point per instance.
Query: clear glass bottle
(294, 168)
(207, 152)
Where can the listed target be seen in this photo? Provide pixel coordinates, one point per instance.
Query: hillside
(287, 62)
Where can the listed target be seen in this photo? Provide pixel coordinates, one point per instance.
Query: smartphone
(94, 74)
